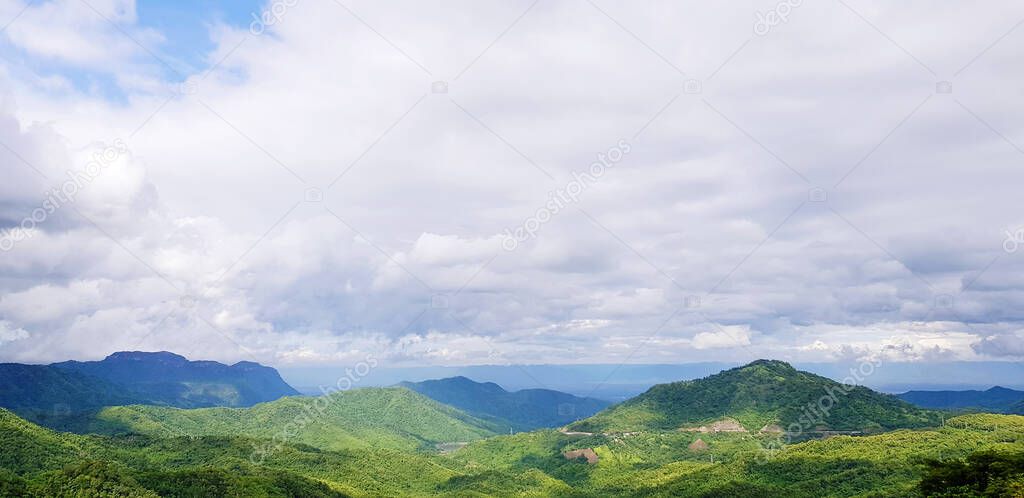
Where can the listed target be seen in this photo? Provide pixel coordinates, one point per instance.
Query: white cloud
(196, 210)
(1007, 345)
(723, 336)
(447, 250)
(101, 36)
(9, 333)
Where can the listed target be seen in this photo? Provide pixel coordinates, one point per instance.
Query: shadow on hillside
(85, 421)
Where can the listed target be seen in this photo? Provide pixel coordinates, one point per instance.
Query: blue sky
(184, 42)
(186, 23)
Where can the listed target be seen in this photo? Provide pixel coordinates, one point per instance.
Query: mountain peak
(463, 382)
(771, 364)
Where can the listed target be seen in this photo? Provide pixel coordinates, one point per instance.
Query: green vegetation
(395, 418)
(527, 409)
(658, 463)
(35, 459)
(61, 395)
(382, 442)
(763, 392)
(984, 473)
(45, 394)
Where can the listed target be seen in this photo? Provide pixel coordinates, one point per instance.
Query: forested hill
(520, 410)
(371, 417)
(757, 395)
(25, 388)
(50, 393)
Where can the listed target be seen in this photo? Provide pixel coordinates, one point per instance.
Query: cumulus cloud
(1008, 345)
(9, 333)
(727, 336)
(297, 207)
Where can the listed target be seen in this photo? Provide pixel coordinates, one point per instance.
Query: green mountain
(43, 392)
(375, 442)
(167, 378)
(971, 455)
(394, 418)
(997, 399)
(57, 395)
(759, 395)
(526, 409)
(40, 462)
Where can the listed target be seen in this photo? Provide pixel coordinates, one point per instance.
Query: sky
(318, 182)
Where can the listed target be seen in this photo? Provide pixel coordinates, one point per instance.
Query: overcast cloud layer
(841, 184)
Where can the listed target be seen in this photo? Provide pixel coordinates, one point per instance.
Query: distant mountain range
(720, 435)
(174, 380)
(763, 395)
(620, 382)
(997, 399)
(520, 410)
(50, 393)
(759, 393)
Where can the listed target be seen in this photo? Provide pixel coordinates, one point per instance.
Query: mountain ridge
(525, 409)
(997, 398)
(52, 394)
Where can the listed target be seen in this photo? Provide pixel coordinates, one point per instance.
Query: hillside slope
(521, 410)
(49, 391)
(41, 462)
(662, 464)
(361, 418)
(761, 393)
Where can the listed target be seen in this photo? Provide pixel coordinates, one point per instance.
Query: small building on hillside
(698, 445)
